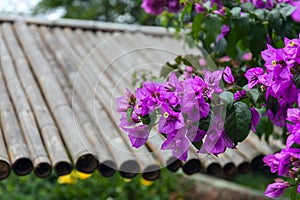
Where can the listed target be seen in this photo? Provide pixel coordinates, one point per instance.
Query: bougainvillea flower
(199, 8)
(279, 117)
(239, 94)
(126, 101)
(227, 75)
(178, 143)
(224, 31)
(255, 119)
(174, 6)
(254, 76)
(149, 95)
(292, 49)
(271, 161)
(273, 57)
(212, 79)
(278, 162)
(154, 7)
(170, 120)
(217, 140)
(296, 14)
(285, 91)
(194, 134)
(276, 189)
(268, 4)
(138, 135)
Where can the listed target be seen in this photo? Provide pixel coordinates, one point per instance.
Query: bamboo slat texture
(58, 84)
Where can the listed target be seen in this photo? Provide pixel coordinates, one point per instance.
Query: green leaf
(260, 14)
(286, 10)
(196, 26)
(264, 127)
(253, 94)
(129, 114)
(238, 122)
(211, 28)
(228, 98)
(257, 39)
(247, 6)
(165, 71)
(236, 11)
(204, 123)
(294, 193)
(146, 120)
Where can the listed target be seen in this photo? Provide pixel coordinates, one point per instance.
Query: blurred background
(121, 11)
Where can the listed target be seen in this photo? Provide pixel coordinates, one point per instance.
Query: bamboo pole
(41, 163)
(243, 166)
(51, 138)
(107, 165)
(79, 147)
(126, 163)
(16, 147)
(149, 167)
(251, 154)
(5, 166)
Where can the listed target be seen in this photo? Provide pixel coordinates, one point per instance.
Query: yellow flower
(67, 179)
(82, 175)
(127, 180)
(146, 182)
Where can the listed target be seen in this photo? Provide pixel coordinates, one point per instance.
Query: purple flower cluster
(156, 7)
(278, 81)
(177, 106)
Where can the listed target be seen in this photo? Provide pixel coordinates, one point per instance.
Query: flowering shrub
(280, 84)
(215, 110)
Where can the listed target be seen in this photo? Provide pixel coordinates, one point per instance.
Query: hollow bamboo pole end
(22, 166)
(244, 167)
(214, 169)
(129, 169)
(87, 163)
(5, 169)
(107, 168)
(229, 169)
(151, 173)
(43, 170)
(62, 168)
(173, 164)
(192, 166)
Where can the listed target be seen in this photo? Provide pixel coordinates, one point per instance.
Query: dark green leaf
(253, 94)
(146, 119)
(264, 127)
(238, 122)
(228, 98)
(204, 123)
(257, 39)
(211, 28)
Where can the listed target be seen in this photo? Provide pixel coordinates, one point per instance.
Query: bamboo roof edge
(91, 25)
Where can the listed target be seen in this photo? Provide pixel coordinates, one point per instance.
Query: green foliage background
(124, 11)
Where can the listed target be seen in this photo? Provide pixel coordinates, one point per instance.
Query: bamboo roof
(58, 84)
